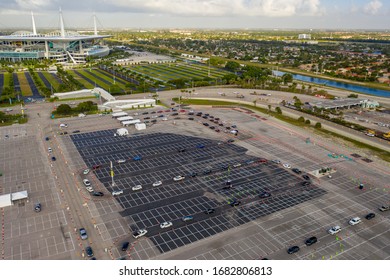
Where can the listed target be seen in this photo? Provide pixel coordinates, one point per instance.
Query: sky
(240, 14)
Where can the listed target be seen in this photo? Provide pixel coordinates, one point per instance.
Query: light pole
(112, 175)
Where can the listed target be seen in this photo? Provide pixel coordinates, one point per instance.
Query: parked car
(230, 140)
(384, 208)
(136, 188)
(166, 224)
(157, 183)
(63, 125)
(89, 251)
(125, 245)
(225, 167)
(334, 230)
(121, 161)
(47, 138)
(86, 171)
(236, 165)
(306, 177)
(310, 241)
(234, 202)
(50, 150)
(305, 183)
(354, 221)
(89, 189)
(76, 131)
(200, 146)
(264, 194)
(293, 249)
(119, 192)
(286, 165)
(137, 158)
(370, 216)
(83, 233)
(53, 158)
(86, 182)
(178, 178)
(276, 161)
(210, 211)
(37, 207)
(182, 150)
(96, 166)
(193, 174)
(98, 194)
(187, 218)
(207, 171)
(139, 233)
(296, 170)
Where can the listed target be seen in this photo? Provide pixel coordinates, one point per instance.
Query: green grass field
(171, 71)
(7, 77)
(24, 85)
(55, 84)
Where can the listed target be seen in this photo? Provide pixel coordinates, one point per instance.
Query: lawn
(24, 85)
(55, 84)
(170, 71)
(84, 82)
(7, 77)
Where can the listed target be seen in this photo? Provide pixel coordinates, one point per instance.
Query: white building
(304, 36)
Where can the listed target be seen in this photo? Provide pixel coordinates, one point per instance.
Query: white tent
(119, 114)
(127, 123)
(127, 118)
(140, 126)
(122, 132)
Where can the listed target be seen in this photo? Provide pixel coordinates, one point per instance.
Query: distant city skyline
(228, 14)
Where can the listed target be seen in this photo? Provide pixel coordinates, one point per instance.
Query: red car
(182, 111)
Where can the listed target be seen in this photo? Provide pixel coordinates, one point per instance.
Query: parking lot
(256, 228)
(161, 161)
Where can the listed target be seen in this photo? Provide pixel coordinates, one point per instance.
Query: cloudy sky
(302, 14)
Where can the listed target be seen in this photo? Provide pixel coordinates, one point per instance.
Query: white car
(50, 150)
(136, 114)
(354, 221)
(86, 182)
(286, 165)
(178, 178)
(276, 161)
(140, 233)
(156, 184)
(86, 171)
(137, 188)
(164, 119)
(334, 230)
(63, 125)
(166, 224)
(236, 165)
(121, 161)
(8, 110)
(89, 189)
(114, 193)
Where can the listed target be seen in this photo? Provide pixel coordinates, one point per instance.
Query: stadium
(61, 46)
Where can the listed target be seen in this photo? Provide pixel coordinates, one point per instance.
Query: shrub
(318, 125)
(301, 119)
(307, 122)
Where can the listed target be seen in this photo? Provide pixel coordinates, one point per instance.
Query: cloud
(373, 7)
(267, 8)
(33, 4)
